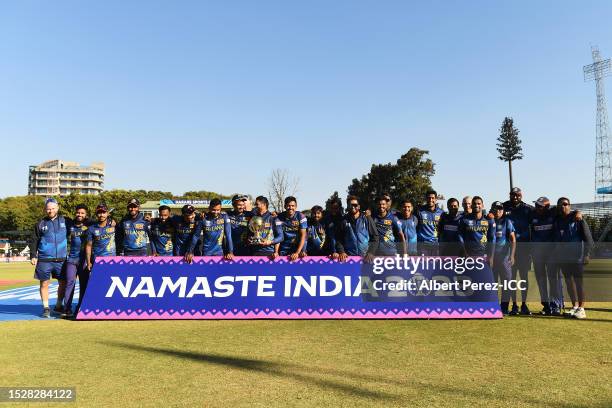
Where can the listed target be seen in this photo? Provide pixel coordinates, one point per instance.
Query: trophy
(256, 226)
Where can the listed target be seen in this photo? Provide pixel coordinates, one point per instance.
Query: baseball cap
(542, 201)
(188, 209)
(134, 201)
(239, 197)
(516, 190)
(497, 205)
(101, 208)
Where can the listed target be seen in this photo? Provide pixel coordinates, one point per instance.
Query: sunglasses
(354, 205)
(565, 204)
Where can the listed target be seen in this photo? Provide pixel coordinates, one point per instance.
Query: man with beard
(133, 232)
(356, 234)
(239, 221)
(449, 229)
(187, 231)
(409, 223)
(391, 240)
(429, 216)
(75, 263)
(162, 233)
(266, 241)
(216, 232)
(316, 236)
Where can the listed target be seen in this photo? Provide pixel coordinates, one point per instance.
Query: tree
(509, 145)
(408, 178)
(281, 185)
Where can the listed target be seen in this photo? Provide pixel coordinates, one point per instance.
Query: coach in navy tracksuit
(573, 242)
(520, 215)
(448, 227)
(356, 234)
(132, 233)
(49, 249)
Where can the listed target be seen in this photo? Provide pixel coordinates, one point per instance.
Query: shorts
(46, 270)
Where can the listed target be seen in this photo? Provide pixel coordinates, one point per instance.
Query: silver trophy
(256, 226)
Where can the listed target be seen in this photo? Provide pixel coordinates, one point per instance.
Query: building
(60, 178)
(150, 208)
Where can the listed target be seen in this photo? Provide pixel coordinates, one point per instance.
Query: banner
(309, 288)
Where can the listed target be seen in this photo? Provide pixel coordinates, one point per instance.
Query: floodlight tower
(603, 173)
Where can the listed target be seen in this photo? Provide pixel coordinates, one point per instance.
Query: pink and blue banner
(309, 288)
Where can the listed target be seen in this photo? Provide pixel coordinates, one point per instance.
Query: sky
(203, 95)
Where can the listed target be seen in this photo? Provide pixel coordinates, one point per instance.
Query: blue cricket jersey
(272, 231)
(317, 239)
(102, 239)
(388, 228)
(133, 234)
(477, 235)
(217, 235)
(186, 236)
(409, 226)
(77, 236)
(291, 231)
(427, 229)
(161, 234)
(503, 230)
(240, 230)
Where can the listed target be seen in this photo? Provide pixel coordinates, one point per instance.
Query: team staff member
(187, 231)
(316, 235)
(268, 240)
(162, 233)
(429, 216)
(573, 246)
(466, 203)
(505, 248)
(390, 237)
(216, 232)
(239, 222)
(75, 263)
(331, 220)
(133, 232)
(449, 229)
(409, 223)
(294, 225)
(50, 246)
(477, 232)
(546, 272)
(356, 235)
(520, 215)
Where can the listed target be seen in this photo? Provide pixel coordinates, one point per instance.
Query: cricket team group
(511, 235)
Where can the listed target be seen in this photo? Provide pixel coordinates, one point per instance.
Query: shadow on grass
(308, 375)
(295, 372)
(568, 319)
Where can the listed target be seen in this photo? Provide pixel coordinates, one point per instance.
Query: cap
(542, 202)
(101, 208)
(497, 205)
(239, 197)
(516, 190)
(134, 201)
(50, 200)
(188, 209)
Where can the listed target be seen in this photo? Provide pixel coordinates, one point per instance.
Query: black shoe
(46, 313)
(555, 312)
(514, 311)
(525, 310)
(546, 311)
(58, 309)
(67, 315)
(504, 308)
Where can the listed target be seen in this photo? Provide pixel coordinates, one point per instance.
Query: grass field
(514, 362)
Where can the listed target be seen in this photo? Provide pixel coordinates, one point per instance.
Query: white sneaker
(571, 312)
(580, 313)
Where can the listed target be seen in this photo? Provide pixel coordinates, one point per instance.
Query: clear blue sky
(210, 95)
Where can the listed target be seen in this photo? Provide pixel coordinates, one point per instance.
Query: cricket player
(477, 232)
(268, 241)
(356, 235)
(505, 249)
(429, 216)
(132, 232)
(294, 225)
(317, 242)
(391, 240)
(520, 215)
(573, 247)
(76, 264)
(239, 221)
(100, 238)
(449, 230)
(216, 232)
(187, 231)
(161, 233)
(547, 274)
(49, 246)
(409, 223)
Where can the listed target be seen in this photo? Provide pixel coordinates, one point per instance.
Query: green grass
(514, 362)
(17, 271)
